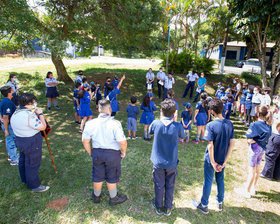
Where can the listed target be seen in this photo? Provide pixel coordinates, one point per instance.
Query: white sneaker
(242, 192)
(253, 191)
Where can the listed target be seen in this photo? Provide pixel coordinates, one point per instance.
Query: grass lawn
(72, 184)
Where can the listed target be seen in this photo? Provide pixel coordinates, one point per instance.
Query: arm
(211, 155)
(120, 83)
(123, 145)
(6, 124)
(86, 143)
(40, 115)
(195, 114)
(183, 122)
(250, 141)
(230, 147)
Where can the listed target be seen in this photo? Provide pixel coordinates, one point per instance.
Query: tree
(260, 20)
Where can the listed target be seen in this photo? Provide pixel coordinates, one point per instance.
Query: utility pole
(168, 41)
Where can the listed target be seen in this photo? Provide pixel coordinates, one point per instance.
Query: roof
(241, 44)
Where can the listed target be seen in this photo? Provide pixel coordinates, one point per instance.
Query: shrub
(252, 78)
(204, 65)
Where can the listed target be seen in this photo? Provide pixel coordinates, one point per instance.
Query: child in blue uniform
(220, 136)
(186, 121)
(229, 106)
(112, 96)
(148, 107)
(221, 93)
(224, 100)
(132, 112)
(164, 156)
(242, 107)
(98, 95)
(108, 81)
(84, 110)
(116, 81)
(258, 135)
(76, 102)
(201, 117)
(248, 104)
(170, 95)
(51, 92)
(209, 99)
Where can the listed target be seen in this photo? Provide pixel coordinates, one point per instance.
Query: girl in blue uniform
(51, 92)
(170, 95)
(258, 135)
(84, 110)
(112, 96)
(108, 81)
(76, 102)
(229, 106)
(186, 121)
(98, 95)
(148, 107)
(116, 81)
(242, 108)
(224, 100)
(248, 104)
(201, 117)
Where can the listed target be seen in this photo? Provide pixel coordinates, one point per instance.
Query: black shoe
(118, 199)
(95, 199)
(145, 139)
(159, 211)
(77, 122)
(167, 211)
(49, 108)
(57, 107)
(220, 206)
(199, 206)
(263, 176)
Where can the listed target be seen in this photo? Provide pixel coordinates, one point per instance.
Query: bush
(252, 78)
(185, 62)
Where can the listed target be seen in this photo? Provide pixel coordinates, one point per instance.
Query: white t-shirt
(150, 76)
(105, 132)
(161, 75)
(25, 123)
(13, 85)
(257, 98)
(192, 77)
(168, 83)
(266, 100)
(48, 80)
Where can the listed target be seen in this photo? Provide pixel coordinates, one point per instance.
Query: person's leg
(145, 131)
(7, 146)
(192, 88)
(186, 90)
(32, 165)
(159, 90)
(270, 162)
(83, 123)
(129, 133)
(170, 178)
(129, 126)
(97, 187)
(199, 128)
(134, 127)
(164, 94)
(149, 136)
(187, 132)
(208, 181)
(257, 174)
(159, 182)
(196, 97)
(276, 173)
(49, 103)
(54, 102)
(112, 188)
(202, 132)
(21, 167)
(11, 145)
(219, 176)
(251, 178)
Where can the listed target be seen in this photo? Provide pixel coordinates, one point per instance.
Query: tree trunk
(62, 74)
(263, 68)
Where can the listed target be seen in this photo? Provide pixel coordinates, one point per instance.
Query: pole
(50, 151)
(168, 42)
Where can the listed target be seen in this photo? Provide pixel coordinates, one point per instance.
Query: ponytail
(262, 111)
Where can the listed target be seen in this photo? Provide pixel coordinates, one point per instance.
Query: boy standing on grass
(132, 112)
(219, 134)
(165, 156)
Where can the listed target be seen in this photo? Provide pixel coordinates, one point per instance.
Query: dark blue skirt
(201, 119)
(147, 118)
(51, 92)
(85, 110)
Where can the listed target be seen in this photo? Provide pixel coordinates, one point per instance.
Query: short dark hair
(103, 104)
(77, 84)
(110, 86)
(84, 79)
(26, 98)
(133, 99)
(171, 93)
(48, 75)
(267, 89)
(168, 107)
(216, 105)
(80, 71)
(5, 90)
(12, 75)
(230, 96)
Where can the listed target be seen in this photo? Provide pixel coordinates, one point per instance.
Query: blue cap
(150, 94)
(86, 85)
(224, 98)
(219, 84)
(222, 88)
(209, 98)
(116, 77)
(187, 105)
(92, 83)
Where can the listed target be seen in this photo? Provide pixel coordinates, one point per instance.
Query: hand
(194, 120)
(38, 111)
(123, 77)
(216, 167)
(7, 133)
(1, 119)
(122, 155)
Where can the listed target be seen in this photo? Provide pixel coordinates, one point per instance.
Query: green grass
(73, 180)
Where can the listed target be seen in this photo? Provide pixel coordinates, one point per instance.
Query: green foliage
(185, 61)
(252, 78)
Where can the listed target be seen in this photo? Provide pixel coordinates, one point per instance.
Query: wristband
(40, 114)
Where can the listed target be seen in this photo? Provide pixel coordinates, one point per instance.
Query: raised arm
(120, 83)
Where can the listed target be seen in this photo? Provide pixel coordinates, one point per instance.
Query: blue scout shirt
(112, 96)
(220, 131)
(186, 116)
(220, 94)
(98, 94)
(243, 96)
(200, 107)
(228, 105)
(248, 102)
(132, 111)
(260, 132)
(201, 81)
(165, 146)
(7, 107)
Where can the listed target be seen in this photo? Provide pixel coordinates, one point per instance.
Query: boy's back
(220, 131)
(132, 111)
(165, 146)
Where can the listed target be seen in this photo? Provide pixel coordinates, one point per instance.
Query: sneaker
(57, 107)
(220, 206)
(242, 192)
(201, 140)
(134, 138)
(159, 211)
(77, 122)
(96, 199)
(118, 199)
(187, 141)
(181, 140)
(247, 124)
(253, 191)
(128, 138)
(49, 108)
(167, 211)
(195, 142)
(41, 188)
(14, 163)
(263, 176)
(199, 206)
(80, 130)
(9, 159)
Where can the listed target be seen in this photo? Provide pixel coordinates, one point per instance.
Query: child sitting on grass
(165, 156)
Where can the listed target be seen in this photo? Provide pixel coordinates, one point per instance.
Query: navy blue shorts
(106, 165)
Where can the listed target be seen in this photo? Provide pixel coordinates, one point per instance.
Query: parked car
(252, 65)
(240, 64)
